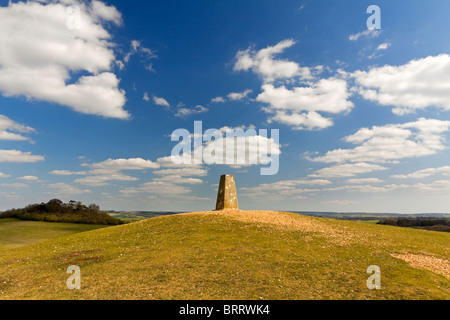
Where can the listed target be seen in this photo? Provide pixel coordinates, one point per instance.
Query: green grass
(16, 233)
(218, 257)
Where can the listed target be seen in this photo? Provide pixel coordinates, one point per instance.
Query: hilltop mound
(233, 255)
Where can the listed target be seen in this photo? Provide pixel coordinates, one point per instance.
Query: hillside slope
(17, 233)
(233, 255)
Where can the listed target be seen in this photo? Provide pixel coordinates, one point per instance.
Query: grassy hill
(233, 255)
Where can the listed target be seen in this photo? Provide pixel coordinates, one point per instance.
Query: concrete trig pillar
(227, 195)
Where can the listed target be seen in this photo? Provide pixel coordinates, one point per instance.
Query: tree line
(57, 211)
(423, 223)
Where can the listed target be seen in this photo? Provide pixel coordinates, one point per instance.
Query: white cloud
(4, 175)
(161, 102)
(235, 147)
(179, 173)
(170, 162)
(419, 84)
(247, 147)
(15, 185)
(7, 125)
(369, 33)
(299, 107)
(29, 178)
(283, 189)
(425, 173)
(183, 172)
(436, 186)
(38, 54)
(64, 189)
(364, 188)
(19, 156)
(185, 112)
(67, 173)
(112, 165)
(218, 100)
(384, 46)
(146, 53)
(162, 189)
(103, 180)
(146, 97)
(110, 170)
(103, 12)
(263, 63)
(393, 142)
(134, 48)
(301, 121)
(364, 181)
(346, 170)
(235, 96)
(171, 180)
(178, 179)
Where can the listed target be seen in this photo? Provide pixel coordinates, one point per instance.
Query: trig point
(227, 195)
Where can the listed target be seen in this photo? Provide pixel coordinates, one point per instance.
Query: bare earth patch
(287, 221)
(430, 263)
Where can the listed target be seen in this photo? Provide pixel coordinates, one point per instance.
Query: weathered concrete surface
(227, 195)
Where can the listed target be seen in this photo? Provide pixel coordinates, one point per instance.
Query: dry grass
(341, 236)
(440, 266)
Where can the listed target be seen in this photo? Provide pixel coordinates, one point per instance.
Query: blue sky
(363, 115)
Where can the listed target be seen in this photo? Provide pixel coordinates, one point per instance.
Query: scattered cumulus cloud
(233, 96)
(425, 173)
(390, 143)
(369, 33)
(58, 51)
(284, 189)
(365, 181)
(185, 112)
(146, 55)
(161, 102)
(12, 131)
(29, 178)
(100, 174)
(262, 62)
(172, 181)
(300, 106)
(419, 84)
(17, 156)
(66, 190)
(67, 173)
(218, 100)
(384, 46)
(347, 170)
(236, 96)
